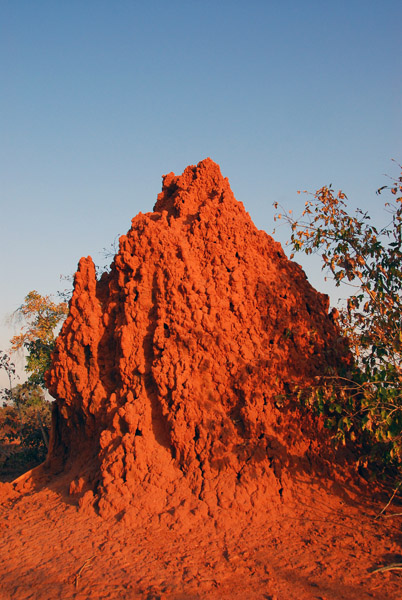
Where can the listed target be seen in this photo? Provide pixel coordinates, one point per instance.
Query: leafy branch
(367, 404)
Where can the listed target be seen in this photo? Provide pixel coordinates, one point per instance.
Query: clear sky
(99, 99)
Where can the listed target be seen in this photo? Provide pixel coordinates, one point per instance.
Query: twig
(28, 474)
(390, 500)
(392, 567)
(84, 566)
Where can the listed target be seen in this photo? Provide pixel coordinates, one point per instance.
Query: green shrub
(364, 404)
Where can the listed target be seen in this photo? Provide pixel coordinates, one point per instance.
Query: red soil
(178, 468)
(321, 543)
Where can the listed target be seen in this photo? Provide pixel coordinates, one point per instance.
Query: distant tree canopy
(365, 403)
(40, 317)
(28, 395)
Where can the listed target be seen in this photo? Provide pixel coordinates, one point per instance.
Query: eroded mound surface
(169, 373)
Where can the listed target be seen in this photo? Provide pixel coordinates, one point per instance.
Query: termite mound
(170, 372)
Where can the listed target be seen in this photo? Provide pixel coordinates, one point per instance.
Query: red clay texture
(179, 465)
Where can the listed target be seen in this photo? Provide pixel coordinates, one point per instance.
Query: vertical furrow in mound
(170, 369)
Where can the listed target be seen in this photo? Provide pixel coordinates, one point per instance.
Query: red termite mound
(169, 373)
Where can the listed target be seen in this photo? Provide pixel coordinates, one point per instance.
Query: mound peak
(185, 194)
(170, 372)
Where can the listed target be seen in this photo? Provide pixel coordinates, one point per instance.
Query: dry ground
(322, 543)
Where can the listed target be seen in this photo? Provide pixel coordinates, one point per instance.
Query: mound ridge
(169, 373)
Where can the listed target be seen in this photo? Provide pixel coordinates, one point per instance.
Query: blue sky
(100, 98)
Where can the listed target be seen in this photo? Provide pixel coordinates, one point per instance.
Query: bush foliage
(25, 419)
(364, 404)
(26, 415)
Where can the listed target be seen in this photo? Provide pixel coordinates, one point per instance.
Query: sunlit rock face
(169, 373)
